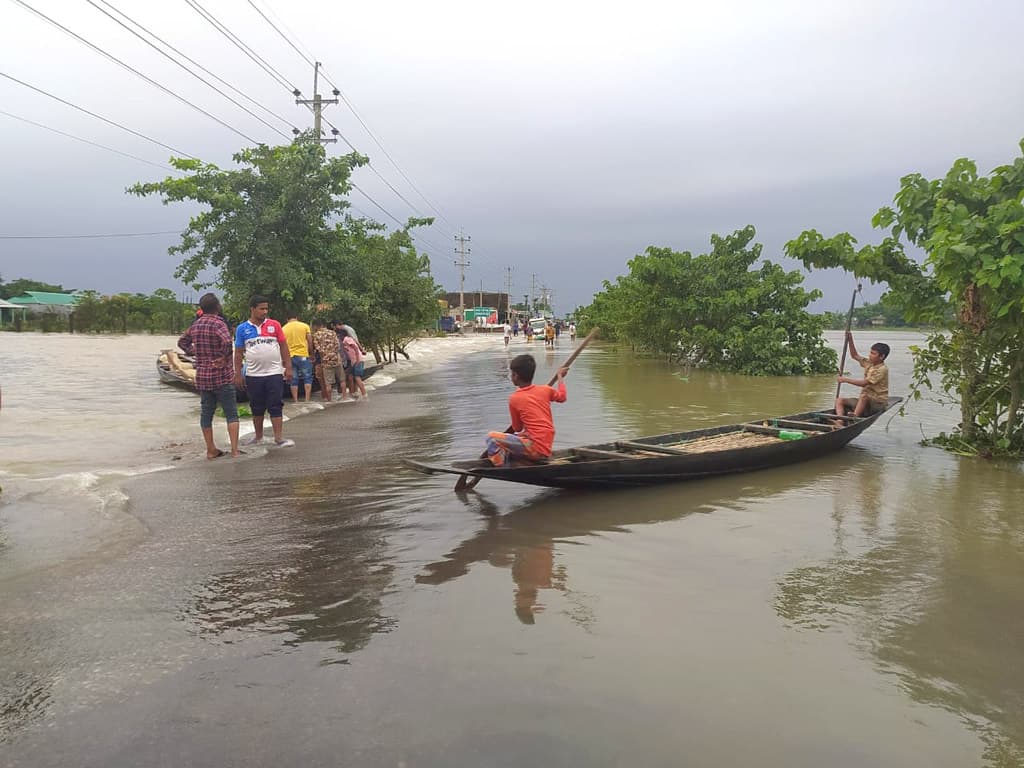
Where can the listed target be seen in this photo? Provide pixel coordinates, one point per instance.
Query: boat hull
(175, 379)
(570, 469)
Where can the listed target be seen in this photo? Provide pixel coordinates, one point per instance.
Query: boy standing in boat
(874, 395)
(533, 429)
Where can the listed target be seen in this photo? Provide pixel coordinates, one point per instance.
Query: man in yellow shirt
(300, 346)
(874, 395)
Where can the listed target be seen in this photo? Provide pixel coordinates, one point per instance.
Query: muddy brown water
(324, 606)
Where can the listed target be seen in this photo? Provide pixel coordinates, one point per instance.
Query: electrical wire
(358, 117)
(88, 237)
(237, 42)
(196, 63)
(132, 69)
(87, 141)
(177, 152)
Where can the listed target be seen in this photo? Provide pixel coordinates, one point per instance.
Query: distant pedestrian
(572, 331)
(355, 357)
(261, 343)
(300, 348)
(208, 340)
(325, 341)
(549, 334)
(515, 328)
(508, 332)
(558, 329)
(528, 332)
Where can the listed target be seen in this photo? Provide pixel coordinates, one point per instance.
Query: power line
(132, 69)
(356, 114)
(237, 42)
(87, 141)
(88, 237)
(99, 117)
(282, 34)
(196, 63)
(379, 206)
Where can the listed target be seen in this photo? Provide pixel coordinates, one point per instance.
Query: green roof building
(40, 301)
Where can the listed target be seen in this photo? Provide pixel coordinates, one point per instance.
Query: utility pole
(545, 297)
(461, 263)
(533, 293)
(317, 104)
(480, 296)
(508, 293)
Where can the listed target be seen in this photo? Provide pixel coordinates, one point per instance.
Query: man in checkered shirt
(209, 341)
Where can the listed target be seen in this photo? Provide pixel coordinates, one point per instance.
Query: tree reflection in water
(927, 572)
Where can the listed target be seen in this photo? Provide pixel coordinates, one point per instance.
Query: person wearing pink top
(355, 356)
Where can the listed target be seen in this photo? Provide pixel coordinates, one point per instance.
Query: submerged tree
(720, 310)
(971, 229)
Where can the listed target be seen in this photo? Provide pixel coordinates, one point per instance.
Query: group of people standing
(550, 332)
(259, 358)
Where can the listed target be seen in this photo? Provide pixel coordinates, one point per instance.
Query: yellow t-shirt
(877, 378)
(296, 332)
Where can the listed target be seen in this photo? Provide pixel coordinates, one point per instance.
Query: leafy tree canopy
(971, 229)
(22, 284)
(723, 310)
(279, 226)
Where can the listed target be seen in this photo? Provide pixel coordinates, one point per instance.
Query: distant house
(7, 311)
(878, 320)
(40, 301)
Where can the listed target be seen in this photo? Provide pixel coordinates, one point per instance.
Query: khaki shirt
(877, 378)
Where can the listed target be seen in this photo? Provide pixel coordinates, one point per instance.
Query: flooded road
(325, 606)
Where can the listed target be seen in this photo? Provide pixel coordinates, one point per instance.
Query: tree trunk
(1016, 385)
(968, 389)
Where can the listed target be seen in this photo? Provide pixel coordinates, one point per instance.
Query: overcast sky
(564, 138)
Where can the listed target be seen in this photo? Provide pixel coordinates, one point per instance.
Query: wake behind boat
(676, 456)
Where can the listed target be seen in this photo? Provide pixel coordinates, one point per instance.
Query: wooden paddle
(465, 482)
(846, 343)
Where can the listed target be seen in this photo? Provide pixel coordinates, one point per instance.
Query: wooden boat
(752, 445)
(178, 370)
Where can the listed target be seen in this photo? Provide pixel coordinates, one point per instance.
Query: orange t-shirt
(530, 408)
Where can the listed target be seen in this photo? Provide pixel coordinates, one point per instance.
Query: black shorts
(265, 394)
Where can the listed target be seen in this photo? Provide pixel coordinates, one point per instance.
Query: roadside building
(36, 302)
(7, 312)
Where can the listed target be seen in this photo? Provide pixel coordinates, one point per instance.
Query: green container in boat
(791, 434)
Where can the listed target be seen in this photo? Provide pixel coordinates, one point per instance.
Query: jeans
(208, 399)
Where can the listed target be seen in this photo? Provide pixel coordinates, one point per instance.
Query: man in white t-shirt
(264, 348)
(508, 333)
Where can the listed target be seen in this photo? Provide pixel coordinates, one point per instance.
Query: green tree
(387, 291)
(22, 284)
(971, 229)
(720, 310)
(266, 227)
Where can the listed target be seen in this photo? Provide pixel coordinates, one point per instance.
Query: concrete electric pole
(317, 105)
(461, 263)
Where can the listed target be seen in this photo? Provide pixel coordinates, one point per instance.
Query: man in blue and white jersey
(261, 343)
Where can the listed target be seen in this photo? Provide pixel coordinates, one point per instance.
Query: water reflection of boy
(533, 428)
(874, 395)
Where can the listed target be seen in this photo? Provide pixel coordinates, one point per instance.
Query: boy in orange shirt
(533, 429)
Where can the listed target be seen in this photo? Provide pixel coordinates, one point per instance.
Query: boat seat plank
(650, 448)
(765, 430)
(594, 453)
(836, 416)
(815, 425)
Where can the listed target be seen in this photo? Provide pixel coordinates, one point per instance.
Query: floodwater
(324, 606)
